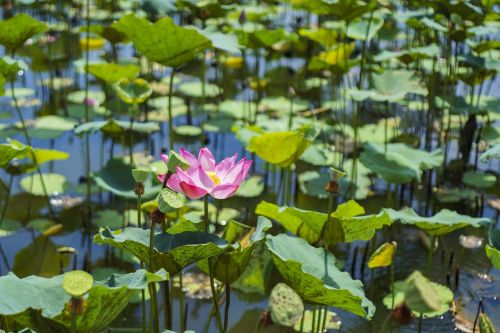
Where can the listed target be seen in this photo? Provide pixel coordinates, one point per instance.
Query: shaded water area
(216, 115)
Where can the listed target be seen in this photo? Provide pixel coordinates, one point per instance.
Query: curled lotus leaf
(40, 303)
(312, 273)
(444, 222)
(172, 252)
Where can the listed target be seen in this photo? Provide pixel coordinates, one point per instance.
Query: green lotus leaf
(493, 152)
(319, 155)
(282, 105)
(12, 150)
(256, 278)
(78, 97)
(51, 127)
(224, 42)
(47, 155)
(196, 89)
(162, 42)
(309, 224)
(285, 305)
(116, 177)
(421, 296)
(112, 73)
(493, 248)
(479, 179)
(252, 187)
(9, 227)
(54, 184)
(77, 283)
(18, 29)
(485, 324)
(325, 37)
(40, 303)
(365, 28)
(108, 218)
(390, 86)
(281, 148)
(392, 167)
(134, 91)
(31, 260)
(9, 68)
(424, 160)
(230, 265)
(116, 127)
(312, 273)
(274, 39)
(188, 131)
(172, 252)
(410, 54)
(383, 256)
(444, 222)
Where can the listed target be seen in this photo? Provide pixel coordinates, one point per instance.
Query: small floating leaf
(54, 184)
(281, 148)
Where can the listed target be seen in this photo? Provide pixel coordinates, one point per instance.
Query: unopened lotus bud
(139, 189)
(157, 216)
(336, 175)
(140, 175)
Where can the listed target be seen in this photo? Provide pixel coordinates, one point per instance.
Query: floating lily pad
(493, 152)
(78, 97)
(117, 127)
(479, 179)
(51, 127)
(195, 89)
(312, 273)
(445, 221)
(188, 131)
(54, 184)
(133, 91)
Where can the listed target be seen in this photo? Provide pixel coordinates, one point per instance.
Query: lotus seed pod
(336, 175)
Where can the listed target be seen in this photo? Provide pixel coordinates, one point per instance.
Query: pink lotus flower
(204, 176)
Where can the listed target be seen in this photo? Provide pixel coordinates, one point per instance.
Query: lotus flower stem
(181, 303)
(28, 141)
(87, 114)
(226, 309)
(210, 271)
(302, 321)
(430, 253)
(420, 320)
(313, 329)
(153, 295)
(143, 292)
(170, 117)
(391, 269)
(7, 198)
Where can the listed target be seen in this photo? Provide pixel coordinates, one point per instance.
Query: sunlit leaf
(112, 73)
(54, 184)
(18, 29)
(312, 273)
(445, 221)
(281, 148)
(383, 256)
